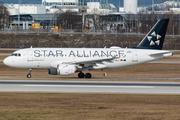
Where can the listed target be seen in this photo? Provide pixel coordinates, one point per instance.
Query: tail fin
(155, 38)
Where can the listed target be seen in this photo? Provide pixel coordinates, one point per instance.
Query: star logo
(157, 41)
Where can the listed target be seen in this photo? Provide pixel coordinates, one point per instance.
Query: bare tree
(4, 16)
(130, 22)
(68, 19)
(93, 18)
(147, 19)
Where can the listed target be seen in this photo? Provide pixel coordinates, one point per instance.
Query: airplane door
(29, 55)
(134, 56)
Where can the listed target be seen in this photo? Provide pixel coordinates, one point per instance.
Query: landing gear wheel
(88, 75)
(81, 75)
(28, 75)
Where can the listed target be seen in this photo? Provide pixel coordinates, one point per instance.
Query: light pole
(153, 5)
(66, 26)
(19, 1)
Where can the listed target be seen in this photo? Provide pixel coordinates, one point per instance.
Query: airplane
(67, 61)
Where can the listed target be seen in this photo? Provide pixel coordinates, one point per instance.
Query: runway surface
(89, 87)
(4, 54)
(166, 62)
(109, 78)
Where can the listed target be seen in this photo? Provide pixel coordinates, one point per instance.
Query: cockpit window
(16, 54)
(12, 54)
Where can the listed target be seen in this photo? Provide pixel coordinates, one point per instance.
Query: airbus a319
(67, 61)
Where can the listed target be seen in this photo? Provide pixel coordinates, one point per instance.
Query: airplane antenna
(31, 46)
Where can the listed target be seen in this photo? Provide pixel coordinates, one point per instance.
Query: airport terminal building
(45, 13)
(65, 2)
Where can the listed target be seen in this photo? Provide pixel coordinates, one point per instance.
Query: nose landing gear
(29, 74)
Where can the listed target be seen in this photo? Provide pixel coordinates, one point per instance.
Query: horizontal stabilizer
(160, 53)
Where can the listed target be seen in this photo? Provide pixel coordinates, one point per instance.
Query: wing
(90, 61)
(93, 63)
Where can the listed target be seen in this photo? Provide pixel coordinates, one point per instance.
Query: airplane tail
(155, 38)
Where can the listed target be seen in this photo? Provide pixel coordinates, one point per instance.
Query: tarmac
(48, 86)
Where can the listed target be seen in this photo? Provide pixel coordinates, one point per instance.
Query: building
(64, 4)
(43, 19)
(130, 6)
(15, 9)
(101, 9)
(45, 14)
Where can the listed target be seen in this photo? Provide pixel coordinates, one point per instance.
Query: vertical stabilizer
(155, 38)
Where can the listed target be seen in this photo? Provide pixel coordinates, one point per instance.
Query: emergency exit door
(29, 55)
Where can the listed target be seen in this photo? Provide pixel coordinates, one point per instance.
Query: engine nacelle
(52, 71)
(63, 69)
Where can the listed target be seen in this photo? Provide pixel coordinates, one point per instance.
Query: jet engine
(63, 69)
(52, 71)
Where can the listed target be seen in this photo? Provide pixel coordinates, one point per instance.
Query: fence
(71, 32)
(19, 45)
(68, 44)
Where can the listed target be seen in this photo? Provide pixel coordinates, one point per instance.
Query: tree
(4, 16)
(92, 19)
(68, 19)
(147, 19)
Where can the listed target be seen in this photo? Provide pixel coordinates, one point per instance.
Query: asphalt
(4, 54)
(107, 83)
(96, 78)
(49, 86)
(166, 62)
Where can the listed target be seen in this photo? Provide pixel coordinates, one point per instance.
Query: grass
(61, 106)
(88, 106)
(2, 57)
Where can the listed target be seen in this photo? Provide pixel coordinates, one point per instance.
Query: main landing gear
(81, 75)
(29, 74)
(87, 75)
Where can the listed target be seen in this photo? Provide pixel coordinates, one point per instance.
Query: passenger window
(19, 54)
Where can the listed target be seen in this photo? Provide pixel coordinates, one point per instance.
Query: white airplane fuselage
(48, 58)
